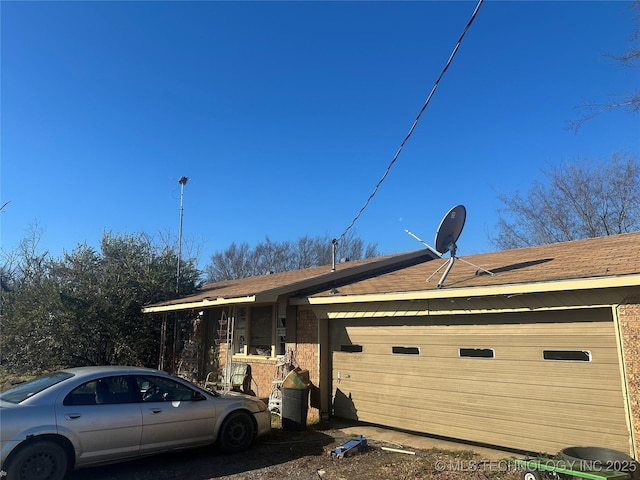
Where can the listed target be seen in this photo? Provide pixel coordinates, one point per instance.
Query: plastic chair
(211, 381)
(239, 379)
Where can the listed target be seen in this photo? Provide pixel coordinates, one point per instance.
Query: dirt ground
(307, 455)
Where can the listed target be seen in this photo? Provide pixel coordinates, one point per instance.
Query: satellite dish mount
(446, 237)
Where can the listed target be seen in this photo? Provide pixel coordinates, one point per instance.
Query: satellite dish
(446, 237)
(450, 229)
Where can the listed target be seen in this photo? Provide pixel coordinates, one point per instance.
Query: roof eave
(204, 303)
(632, 280)
(317, 283)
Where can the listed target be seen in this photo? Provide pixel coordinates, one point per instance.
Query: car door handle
(154, 411)
(72, 416)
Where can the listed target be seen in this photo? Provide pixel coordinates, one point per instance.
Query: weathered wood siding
(516, 399)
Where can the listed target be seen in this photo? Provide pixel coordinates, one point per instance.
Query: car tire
(237, 433)
(41, 460)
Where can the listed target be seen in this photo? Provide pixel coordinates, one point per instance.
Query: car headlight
(261, 406)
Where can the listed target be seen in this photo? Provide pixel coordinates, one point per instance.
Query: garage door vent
(351, 348)
(405, 350)
(567, 355)
(476, 352)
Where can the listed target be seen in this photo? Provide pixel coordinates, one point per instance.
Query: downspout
(625, 384)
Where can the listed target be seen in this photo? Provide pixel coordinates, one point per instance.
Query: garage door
(535, 383)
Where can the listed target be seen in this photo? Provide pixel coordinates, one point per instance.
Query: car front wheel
(236, 433)
(41, 460)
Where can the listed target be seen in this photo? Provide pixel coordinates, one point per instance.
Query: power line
(415, 122)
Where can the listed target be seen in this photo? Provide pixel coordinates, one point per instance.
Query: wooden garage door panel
(518, 353)
(518, 386)
(523, 433)
(516, 434)
(422, 364)
(552, 329)
(501, 412)
(424, 370)
(455, 340)
(517, 399)
(558, 398)
(526, 404)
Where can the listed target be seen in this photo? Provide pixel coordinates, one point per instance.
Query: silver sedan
(93, 415)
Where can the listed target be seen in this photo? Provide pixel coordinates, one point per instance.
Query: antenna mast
(334, 246)
(182, 181)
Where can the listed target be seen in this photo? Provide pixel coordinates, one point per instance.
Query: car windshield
(25, 390)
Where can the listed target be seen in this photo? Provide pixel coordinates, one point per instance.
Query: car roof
(110, 369)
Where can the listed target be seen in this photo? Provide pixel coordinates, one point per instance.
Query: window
(260, 330)
(83, 395)
(405, 350)
(351, 348)
(567, 355)
(476, 352)
(281, 330)
(240, 339)
(108, 390)
(25, 390)
(160, 389)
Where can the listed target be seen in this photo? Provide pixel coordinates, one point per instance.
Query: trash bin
(295, 406)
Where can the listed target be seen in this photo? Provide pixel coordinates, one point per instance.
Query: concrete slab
(407, 440)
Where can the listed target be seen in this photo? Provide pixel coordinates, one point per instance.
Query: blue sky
(284, 115)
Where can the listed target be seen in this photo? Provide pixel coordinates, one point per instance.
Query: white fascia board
(485, 291)
(207, 302)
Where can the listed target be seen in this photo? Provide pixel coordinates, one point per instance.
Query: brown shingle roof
(591, 258)
(270, 286)
(614, 255)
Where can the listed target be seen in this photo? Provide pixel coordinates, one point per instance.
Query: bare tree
(629, 102)
(577, 200)
(240, 261)
(234, 262)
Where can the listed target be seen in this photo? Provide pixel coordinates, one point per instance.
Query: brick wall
(262, 371)
(629, 318)
(307, 353)
(305, 356)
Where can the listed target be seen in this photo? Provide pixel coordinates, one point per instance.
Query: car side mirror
(197, 396)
